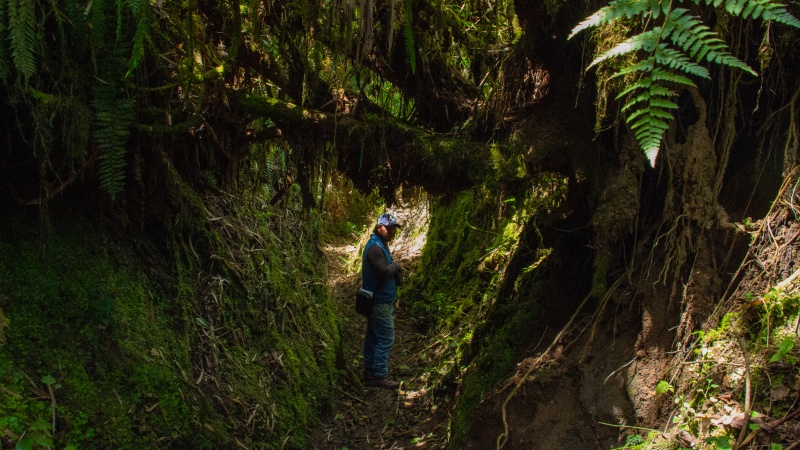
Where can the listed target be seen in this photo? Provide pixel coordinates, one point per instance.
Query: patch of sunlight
(414, 217)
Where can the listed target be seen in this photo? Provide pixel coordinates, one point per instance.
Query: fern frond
(757, 9)
(651, 106)
(669, 57)
(408, 34)
(113, 118)
(270, 166)
(644, 65)
(776, 12)
(641, 83)
(97, 23)
(676, 59)
(650, 100)
(694, 37)
(5, 67)
(142, 28)
(766, 9)
(137, 7)
(647, 41)
(22, 28)
(137, 56)
(616, 10)
(77, 25)
(662, 74)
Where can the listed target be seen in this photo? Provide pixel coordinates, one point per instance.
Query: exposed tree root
(503, 438)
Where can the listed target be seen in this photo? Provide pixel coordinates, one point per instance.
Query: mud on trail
(370, 417)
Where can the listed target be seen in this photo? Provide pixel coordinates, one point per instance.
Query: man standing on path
(381, 275)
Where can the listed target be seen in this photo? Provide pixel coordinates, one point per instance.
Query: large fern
(96, 13)
(113, 118)
(672, 52)
(22, 30)
(139, 10)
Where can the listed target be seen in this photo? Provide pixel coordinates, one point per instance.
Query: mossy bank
(218, 337)
(491, 266)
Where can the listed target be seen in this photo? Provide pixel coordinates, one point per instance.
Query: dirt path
(375, 418)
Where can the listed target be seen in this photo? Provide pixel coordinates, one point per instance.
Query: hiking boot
(384, 382)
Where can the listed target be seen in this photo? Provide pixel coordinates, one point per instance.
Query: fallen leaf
(778, 393)
(734, 419)
(738, 420)
(685, 439)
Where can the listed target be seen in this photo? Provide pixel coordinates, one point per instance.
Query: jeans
(378, 340)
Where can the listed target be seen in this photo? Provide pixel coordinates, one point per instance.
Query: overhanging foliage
(672, 50)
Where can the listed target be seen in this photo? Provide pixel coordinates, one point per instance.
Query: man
(381, 275)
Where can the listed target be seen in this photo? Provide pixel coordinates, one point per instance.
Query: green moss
(488, 313)
(85, 320)
(722, 331)
(130, 347)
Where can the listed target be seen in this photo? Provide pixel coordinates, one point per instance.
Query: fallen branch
(772, 425)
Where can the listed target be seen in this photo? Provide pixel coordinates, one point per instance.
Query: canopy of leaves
(111, 90)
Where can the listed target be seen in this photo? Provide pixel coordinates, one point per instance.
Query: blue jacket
(384, 289)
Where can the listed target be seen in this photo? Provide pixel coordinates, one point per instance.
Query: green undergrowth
(347, 212)
(752, 348)
(223, 336)
(97, 333)
(483, 331)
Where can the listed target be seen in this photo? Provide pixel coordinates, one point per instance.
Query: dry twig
(747, 400)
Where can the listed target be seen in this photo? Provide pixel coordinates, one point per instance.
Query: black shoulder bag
(364, 302)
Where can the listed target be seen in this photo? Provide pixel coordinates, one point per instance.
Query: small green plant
(720, 442)
(633, 440)
(36, 436)
(638, 441)
(778, 308)
(663, 387)
(783, 354)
